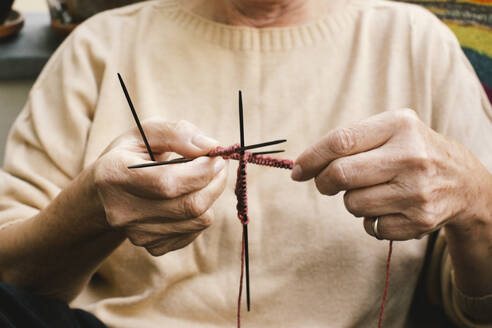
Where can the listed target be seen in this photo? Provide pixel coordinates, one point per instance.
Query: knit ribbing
(268, 39)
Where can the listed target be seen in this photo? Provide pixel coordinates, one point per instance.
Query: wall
(13, 93)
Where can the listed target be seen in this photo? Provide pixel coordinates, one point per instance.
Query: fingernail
(296, 173)
(219, 165)
(204, 142)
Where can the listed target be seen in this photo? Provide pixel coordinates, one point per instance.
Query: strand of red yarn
(242, 209)
(386, 285)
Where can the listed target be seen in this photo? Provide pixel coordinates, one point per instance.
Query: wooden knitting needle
(245, 226)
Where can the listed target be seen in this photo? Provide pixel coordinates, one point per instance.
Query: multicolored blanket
(471, 21)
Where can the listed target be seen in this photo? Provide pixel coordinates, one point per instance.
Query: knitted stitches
(242, 208)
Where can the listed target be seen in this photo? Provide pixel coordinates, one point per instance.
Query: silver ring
(374, 227)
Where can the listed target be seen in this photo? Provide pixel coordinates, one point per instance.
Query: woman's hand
(161, 208)
(394, 167)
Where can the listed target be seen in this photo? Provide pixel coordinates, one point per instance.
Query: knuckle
(106, 174)
(194, 206)
(138, 240)
(204, 222)
(337, 174)
(428, 219)
(423, 193)
(184, 125)
(321, 185)
(408, 119)
(426, 224)
(154, 122)
(114, 219)
(351, 203)
(167, 187)
(419, 160)
(156, 251)
(341, 141)
(407, 115)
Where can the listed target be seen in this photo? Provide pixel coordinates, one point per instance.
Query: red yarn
(386, 285)
(231, 153)
(241, 190)
(242, 208)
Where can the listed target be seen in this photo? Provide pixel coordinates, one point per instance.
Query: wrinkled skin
(161, 208)
(394, 167)
(414, 180)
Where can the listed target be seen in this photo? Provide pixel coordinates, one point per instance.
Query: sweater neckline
(266, 39)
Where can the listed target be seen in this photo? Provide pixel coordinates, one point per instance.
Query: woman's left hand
(393, 167)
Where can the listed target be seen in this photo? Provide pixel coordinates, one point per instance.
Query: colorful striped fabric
(471, 21)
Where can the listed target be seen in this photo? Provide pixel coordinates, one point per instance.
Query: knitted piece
(231, 153)
(242, 208)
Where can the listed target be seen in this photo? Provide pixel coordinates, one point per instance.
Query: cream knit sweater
(312, 264)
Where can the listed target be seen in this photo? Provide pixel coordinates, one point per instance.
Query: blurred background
(30, 5)
(13, 93)
(29, 34)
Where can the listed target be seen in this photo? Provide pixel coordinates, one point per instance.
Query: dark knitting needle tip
(241, 125)
(246, 257)
(173, 161)
(134, 113)
(263, 144)
(268, 152)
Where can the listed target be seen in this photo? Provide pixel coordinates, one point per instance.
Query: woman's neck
(262, 13)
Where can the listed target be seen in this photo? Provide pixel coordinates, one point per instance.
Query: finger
(393, 227)
(181, 137)
(193, 205)
(377, 200)
(153, 231)
(172, 181)
(362, 136)
(154, 228)
(146, 238)
(172, 244)
(357, 171)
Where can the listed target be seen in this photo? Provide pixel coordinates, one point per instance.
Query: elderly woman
(375, 98)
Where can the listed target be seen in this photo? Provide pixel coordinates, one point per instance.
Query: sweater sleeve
(456, 106)
(46, 144)
(463, 310)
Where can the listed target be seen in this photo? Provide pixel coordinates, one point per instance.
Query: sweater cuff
(465, 311)
(477, 308)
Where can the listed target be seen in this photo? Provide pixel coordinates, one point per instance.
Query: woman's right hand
(161, 208)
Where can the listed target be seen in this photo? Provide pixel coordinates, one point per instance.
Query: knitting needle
(185, 160)
(130, 103)
(173, 161)
(245, 226)
(268, 152)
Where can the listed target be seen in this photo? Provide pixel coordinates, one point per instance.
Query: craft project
(239, 152)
